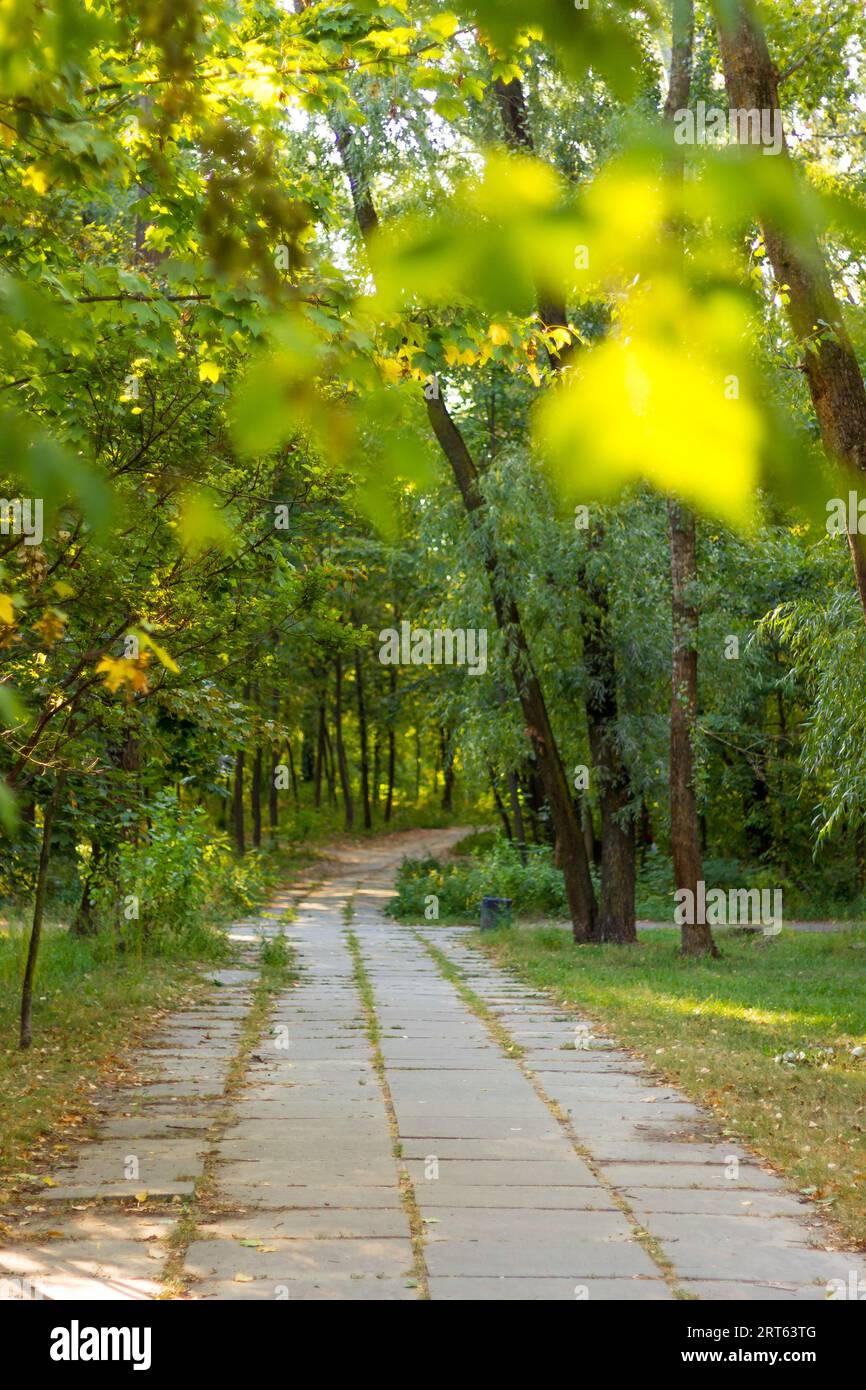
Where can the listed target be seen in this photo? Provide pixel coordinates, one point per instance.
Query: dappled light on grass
(717, 1028)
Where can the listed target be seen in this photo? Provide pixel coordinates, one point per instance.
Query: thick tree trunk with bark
(517, 130)
(696, 938)
(616, 904)
(829, 361)
(578, 883)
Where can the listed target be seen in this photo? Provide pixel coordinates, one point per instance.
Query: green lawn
(89, 1015)
(715, 1028)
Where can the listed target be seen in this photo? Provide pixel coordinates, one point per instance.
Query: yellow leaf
(444, 24)
(125, 671)
(243, 1279)
(649, 403)
(142, 1196)
(7, 611)
(50, 626)
(561, 337)
(390, 368)
(161, 654)
(498, 334)
(114, 673)
(36, 176)
(209, 371)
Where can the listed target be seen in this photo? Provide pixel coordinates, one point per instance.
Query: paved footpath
(412, 1122)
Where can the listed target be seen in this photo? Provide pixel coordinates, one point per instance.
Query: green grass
(93, 1003)
(90, 1012)
(715, 1028)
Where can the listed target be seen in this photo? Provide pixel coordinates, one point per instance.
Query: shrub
(170, 888)
(460, 884)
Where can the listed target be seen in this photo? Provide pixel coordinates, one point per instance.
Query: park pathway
(411, 1122)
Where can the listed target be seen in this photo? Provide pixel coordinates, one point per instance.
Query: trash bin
(495, 912)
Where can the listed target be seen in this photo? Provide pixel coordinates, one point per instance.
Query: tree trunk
(696, 938)
(517, 813)
(309, 734)
(26, 1030)
(256, 799)
(292, 778)
(273, 799)
(84, 923)
(578, 883)
(364, 741)
(377, 770)
(320, 754)
(329, 767)
(498, 803)
(618, 857)
(616, 906)
(447, 755)
(345, 784)
(829, 361)
(392, 742)
(240, 838)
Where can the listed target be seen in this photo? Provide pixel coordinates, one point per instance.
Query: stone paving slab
(538, 1198)
(109, 1191)
(573, 1259)
(308, 1161)
(740, 1291)
(359, 1258)
(455, 1172)
(315, 1223)
(527, 1289)
(702, 1201)
(686, 1174)
(661, 1155)
(324, 1288)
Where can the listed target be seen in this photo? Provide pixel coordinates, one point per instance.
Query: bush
(167, 890)
(536, 887)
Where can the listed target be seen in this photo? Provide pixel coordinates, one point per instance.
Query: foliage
(460, 884)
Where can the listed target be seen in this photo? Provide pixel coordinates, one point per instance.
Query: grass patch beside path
(714, 1028)
(93, 1006)
(90, 1016)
